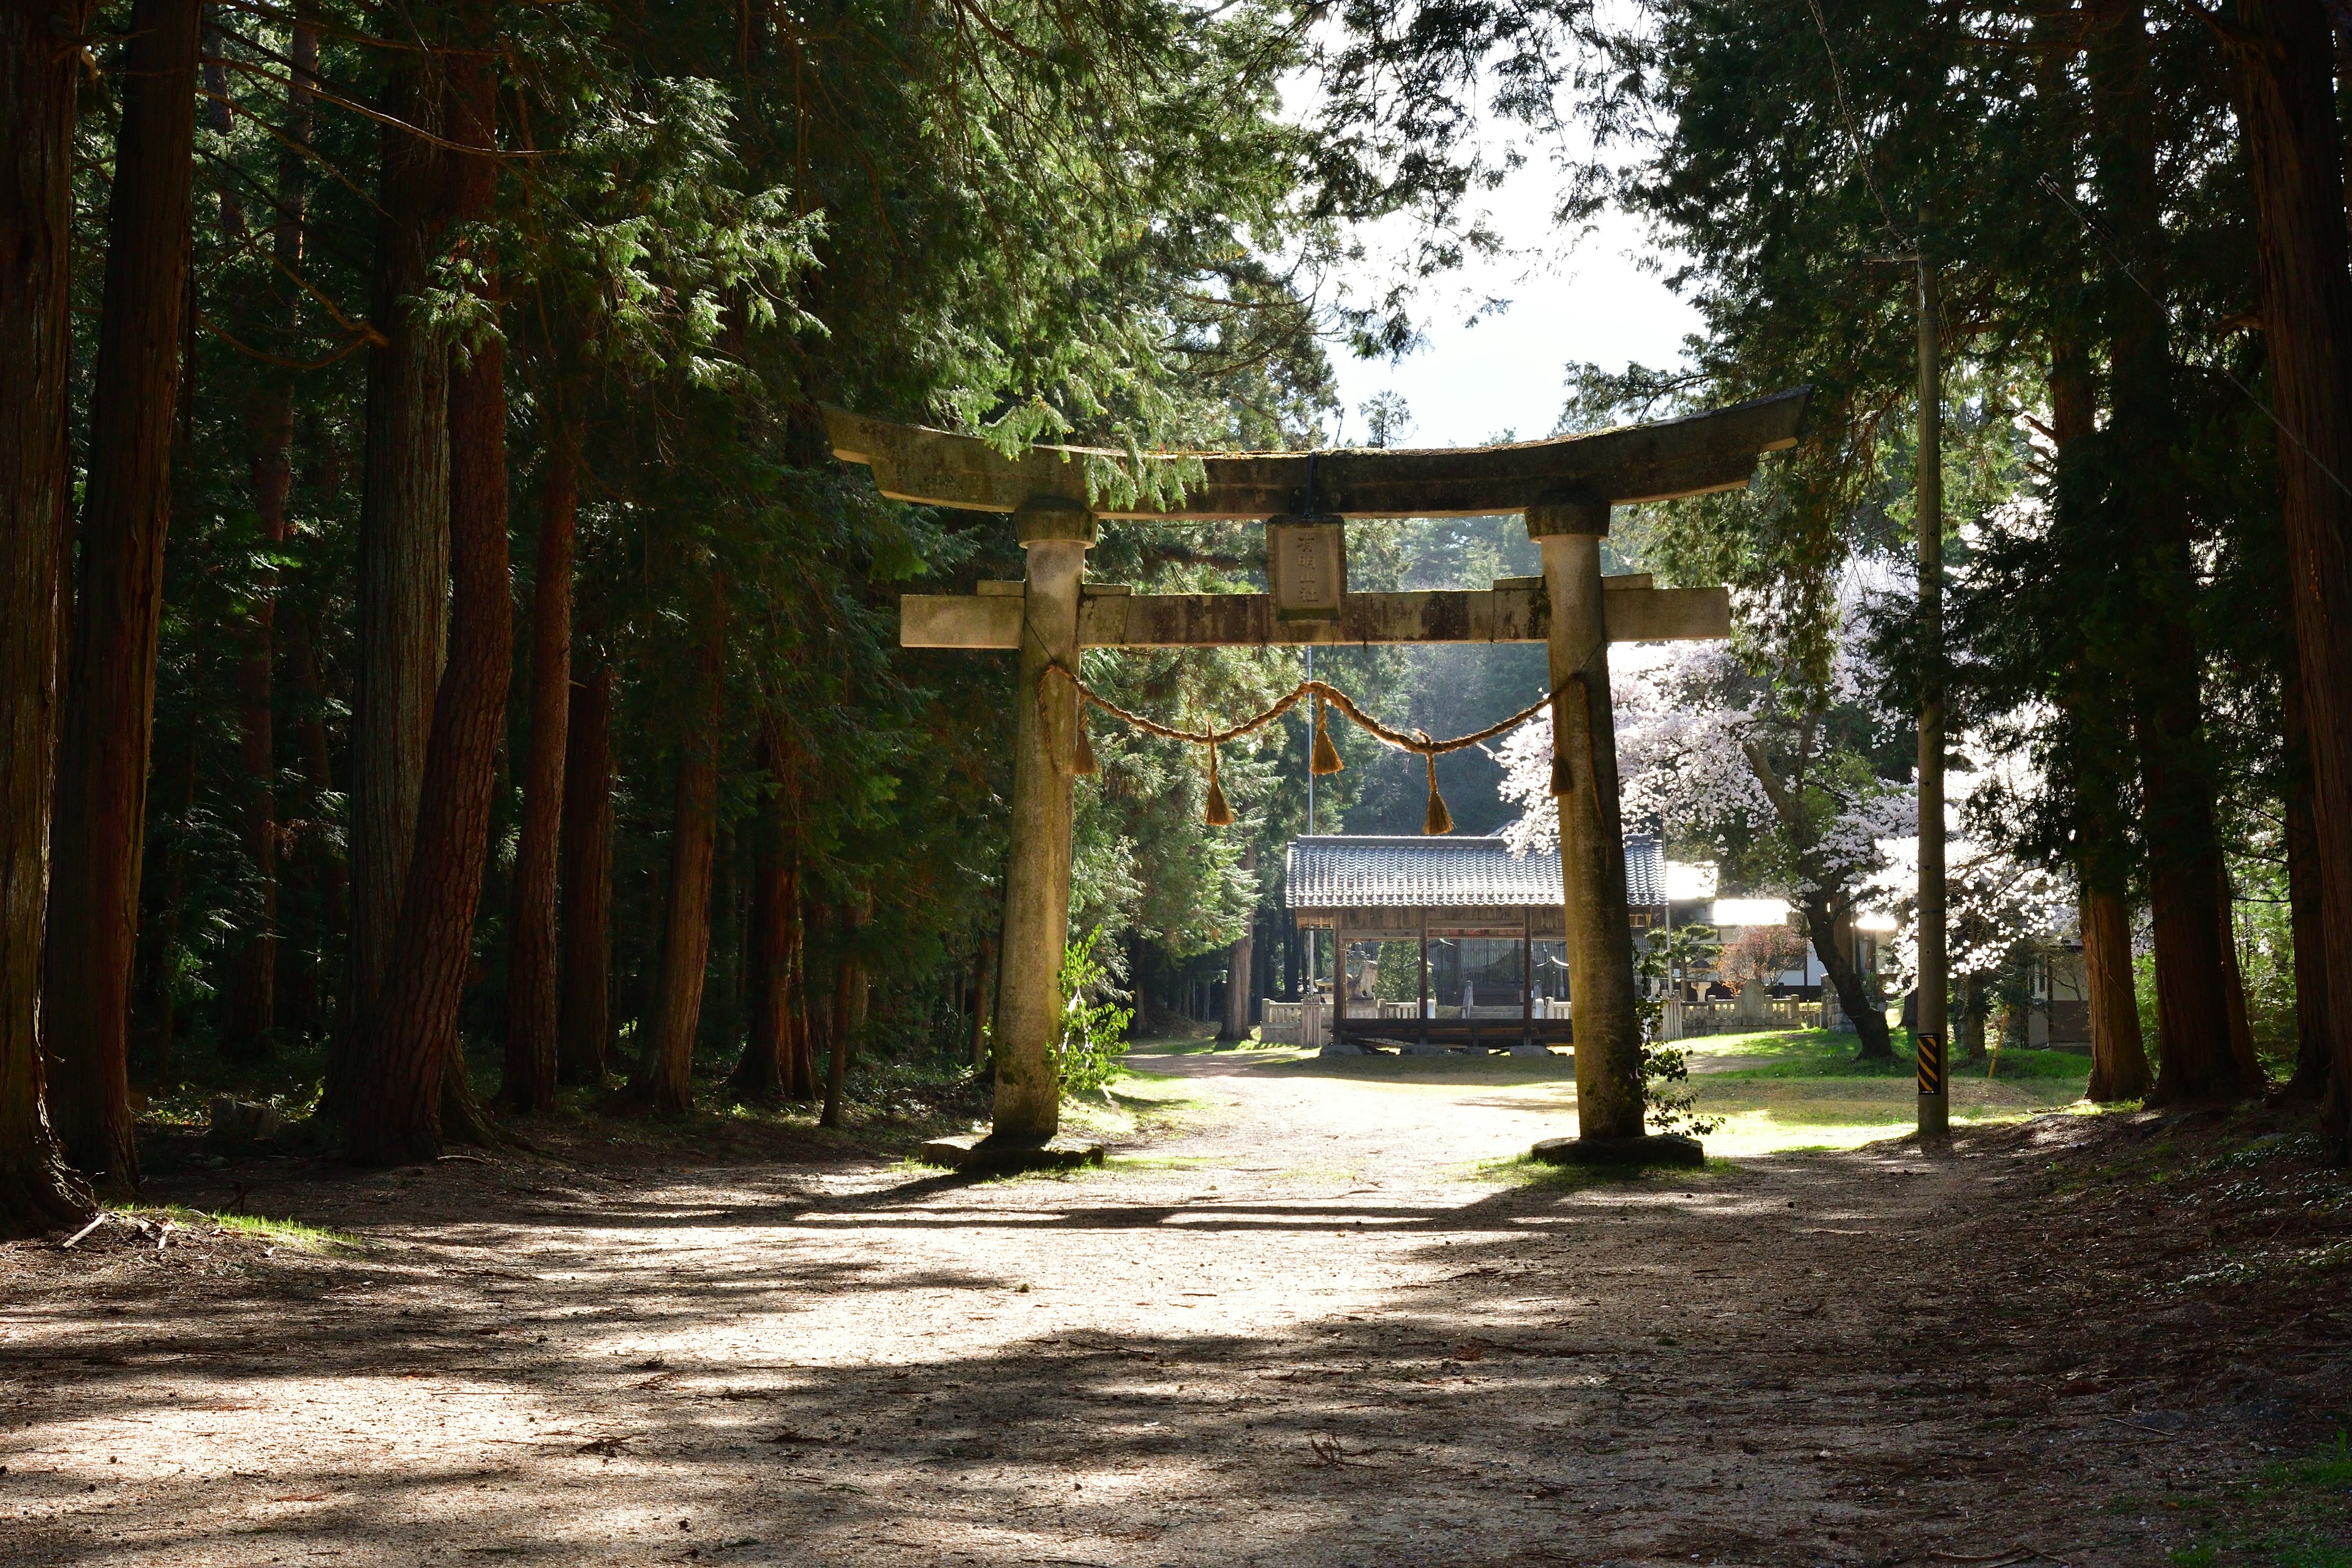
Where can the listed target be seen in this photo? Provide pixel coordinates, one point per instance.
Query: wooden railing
(1293, 1023)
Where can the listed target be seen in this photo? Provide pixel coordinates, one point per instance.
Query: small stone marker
(984, 1154)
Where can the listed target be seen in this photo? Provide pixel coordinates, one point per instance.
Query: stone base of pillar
(1652, 1149)
(988, 1155)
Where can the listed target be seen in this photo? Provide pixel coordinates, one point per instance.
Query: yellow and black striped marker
(1931, 1066)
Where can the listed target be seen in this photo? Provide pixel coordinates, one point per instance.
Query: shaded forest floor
(1310, 1314)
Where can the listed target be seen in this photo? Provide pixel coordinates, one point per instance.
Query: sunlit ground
(1803, 1090)
(1774, 1091)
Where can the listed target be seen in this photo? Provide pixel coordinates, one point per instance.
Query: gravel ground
(1315, 1325)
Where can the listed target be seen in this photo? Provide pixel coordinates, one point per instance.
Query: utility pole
(1932, 1037)
(1308, 989)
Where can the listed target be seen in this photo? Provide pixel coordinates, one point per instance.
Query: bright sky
(1593, 301)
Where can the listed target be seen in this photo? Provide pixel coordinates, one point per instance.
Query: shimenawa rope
(1325, 758)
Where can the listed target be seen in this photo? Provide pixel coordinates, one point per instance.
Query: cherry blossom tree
(1709, 748)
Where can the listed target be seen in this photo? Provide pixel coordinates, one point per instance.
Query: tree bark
(404, 541)
(1235, 1025)
(2184, 869)
(39, 66)
(110, 704)
(764, 1074)
(667, 1073)
(983, 998)
(2294, 153)
(2118, 1063)
(843, 1020)
(2314, 1038)
(1825, 924)
(534, 1013)
(585, 1026)
(409, 1048)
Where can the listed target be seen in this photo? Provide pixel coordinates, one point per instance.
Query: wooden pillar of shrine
(1056, 534)
(1608, 1031)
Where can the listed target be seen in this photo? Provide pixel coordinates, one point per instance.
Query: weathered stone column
(1057, 534)
(1592, 839)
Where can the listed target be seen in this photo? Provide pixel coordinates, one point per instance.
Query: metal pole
(1311, 954)
(1933, 1039)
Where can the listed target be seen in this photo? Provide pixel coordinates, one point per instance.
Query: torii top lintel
(1692, 455)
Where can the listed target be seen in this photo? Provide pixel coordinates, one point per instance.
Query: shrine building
(1448, 942)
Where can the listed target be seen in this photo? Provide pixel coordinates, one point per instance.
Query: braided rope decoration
(1326, 758)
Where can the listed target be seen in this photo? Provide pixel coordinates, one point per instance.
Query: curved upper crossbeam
(1692, 455)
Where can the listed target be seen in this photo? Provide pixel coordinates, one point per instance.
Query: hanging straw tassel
(1439, 819)
(1082, 756)
(1563, 779)
(1219, 813)
(1325, 759)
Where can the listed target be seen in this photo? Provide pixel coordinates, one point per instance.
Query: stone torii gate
(1563, 487)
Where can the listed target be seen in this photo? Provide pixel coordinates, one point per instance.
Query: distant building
(1449, 940)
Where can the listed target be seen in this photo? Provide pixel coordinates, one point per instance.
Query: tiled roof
(1334, 871)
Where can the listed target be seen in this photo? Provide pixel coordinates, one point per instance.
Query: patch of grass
(290, 1233)
(2296, 1514)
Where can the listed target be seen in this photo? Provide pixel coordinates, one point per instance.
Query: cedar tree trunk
(534, 1006)
(2295, 151)
(839, 1025)
(109, 701)
(401, 613)
(408, 1049)
(2119, 1062)
(2313, 1003)
(764, 1072)
(40, 66)
(665, 1079)
(2196, 1059)
(587, 1024)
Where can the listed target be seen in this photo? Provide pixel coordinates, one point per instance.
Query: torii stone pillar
(1056, 534)
(1601, 1003)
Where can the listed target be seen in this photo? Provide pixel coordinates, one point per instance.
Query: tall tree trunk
(815, 998)
(2119, 1068)
(585, 1026)
(2118, 1063)
(983, 998)
(1235, 1024)
(2295, 151)
(763, 1074)
(252, 1010)
(842, 1024)
(409, 1050)
(667, 1072)
(2313, 1004)
(110, 704)
(534, 1012)
(402, 615)
(2184, 871)
(40, 64)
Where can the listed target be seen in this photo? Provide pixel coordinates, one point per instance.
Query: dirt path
(1307, 1331)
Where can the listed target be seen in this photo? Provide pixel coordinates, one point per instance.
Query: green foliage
(1093, 1027)
(1668, 1105)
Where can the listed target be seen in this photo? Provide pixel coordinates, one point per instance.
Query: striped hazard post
(1935, 1090)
